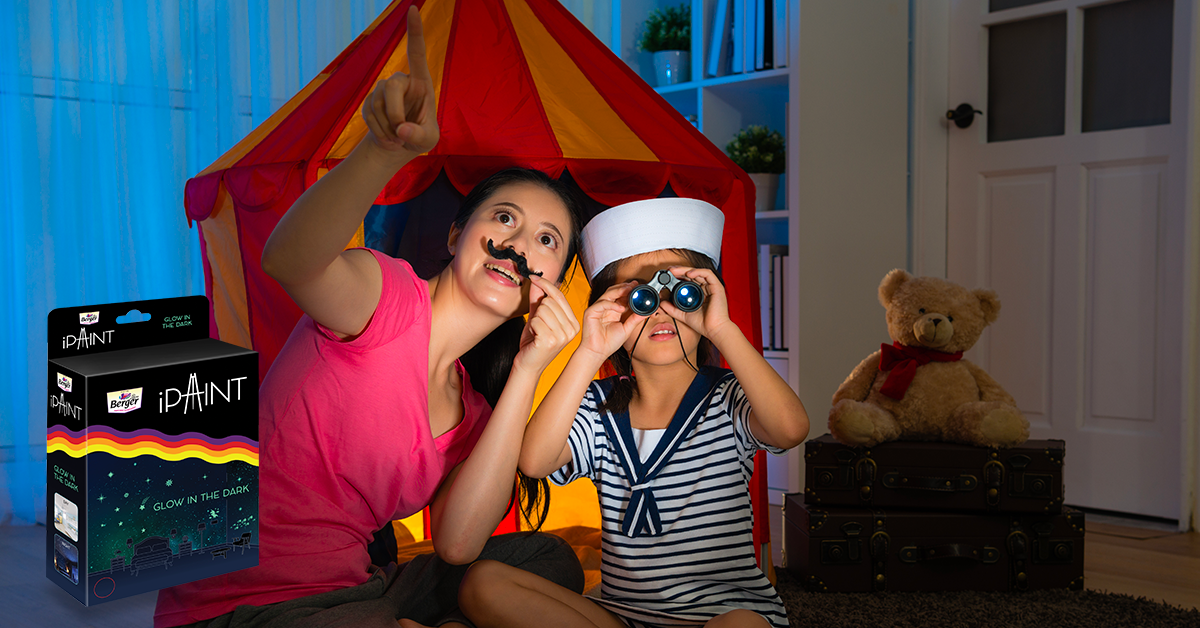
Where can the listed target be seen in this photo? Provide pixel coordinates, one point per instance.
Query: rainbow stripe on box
(147, 442)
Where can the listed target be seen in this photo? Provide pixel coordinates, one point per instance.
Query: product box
(151, 449)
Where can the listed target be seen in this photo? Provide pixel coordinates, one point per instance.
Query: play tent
(518, 82)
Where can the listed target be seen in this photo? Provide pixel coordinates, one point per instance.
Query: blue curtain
(106, 109)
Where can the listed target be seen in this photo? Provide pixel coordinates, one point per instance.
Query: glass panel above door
(1000, 5)
(1027, 78)
(1127, 65)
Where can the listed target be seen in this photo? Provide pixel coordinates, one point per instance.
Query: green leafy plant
(669, 28)
(758, 149)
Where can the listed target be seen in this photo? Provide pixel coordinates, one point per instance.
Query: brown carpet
(963, 609)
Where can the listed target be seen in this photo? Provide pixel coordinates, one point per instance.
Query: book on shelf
(747, 36)
(779, 38)
(737, 33)
(718, 47)
(763, 32)
(772, 279)
(748, 42)
(766, 294)
(780, 263)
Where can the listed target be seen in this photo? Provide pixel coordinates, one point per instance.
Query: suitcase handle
(950, 552)
(895, 480)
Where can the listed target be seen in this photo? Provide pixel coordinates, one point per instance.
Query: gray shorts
(424, 589)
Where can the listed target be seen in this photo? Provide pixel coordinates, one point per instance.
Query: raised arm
(545, 448)
(777, 417)
(305, 252)
(471, 502)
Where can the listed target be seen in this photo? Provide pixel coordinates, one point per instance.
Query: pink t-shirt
(345, 447)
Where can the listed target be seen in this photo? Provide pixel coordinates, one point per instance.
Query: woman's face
(658, 343)
(526, 217)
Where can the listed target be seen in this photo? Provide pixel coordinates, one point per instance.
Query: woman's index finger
(418, 64)
(548, 287)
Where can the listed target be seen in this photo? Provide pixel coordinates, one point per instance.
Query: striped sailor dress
(676, 521)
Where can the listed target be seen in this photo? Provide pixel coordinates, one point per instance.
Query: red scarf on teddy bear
(902, 361)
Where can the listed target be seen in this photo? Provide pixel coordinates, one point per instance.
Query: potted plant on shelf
(760, 152)
(668, 34)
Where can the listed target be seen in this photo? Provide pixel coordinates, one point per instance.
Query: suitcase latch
(1033, 485)
(865, 471)
(879, 548)
(1018, 462)
(843, 551)
(1050, 551)
(1018, 546)
(993, 477)
(833, 477)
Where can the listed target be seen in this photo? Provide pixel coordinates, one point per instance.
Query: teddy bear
(920, 387)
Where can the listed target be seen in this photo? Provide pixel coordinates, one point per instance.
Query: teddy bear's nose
(936, 321)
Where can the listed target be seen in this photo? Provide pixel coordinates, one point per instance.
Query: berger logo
(89, 318)
(85, 340)
(199, 395)
(64, 382)
(65, 407)
(124, 401)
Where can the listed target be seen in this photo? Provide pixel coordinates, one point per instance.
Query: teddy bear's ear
(990, 304)
(891, 282)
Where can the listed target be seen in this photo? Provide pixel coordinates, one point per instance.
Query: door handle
(963, 115)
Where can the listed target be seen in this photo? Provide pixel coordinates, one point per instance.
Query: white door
(1067, 197)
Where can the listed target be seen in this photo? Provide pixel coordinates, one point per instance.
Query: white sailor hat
(651, 225)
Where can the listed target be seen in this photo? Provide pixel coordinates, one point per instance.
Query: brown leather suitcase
(856, 549)
(936, 476)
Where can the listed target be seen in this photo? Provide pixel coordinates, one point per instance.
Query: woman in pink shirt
(368, 415)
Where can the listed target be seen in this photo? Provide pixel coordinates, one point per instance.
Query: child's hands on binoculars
(605, 324)
(610, 321)
(713, 315)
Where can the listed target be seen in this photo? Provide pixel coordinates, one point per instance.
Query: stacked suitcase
(922, 516)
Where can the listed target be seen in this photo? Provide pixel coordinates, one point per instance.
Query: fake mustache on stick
(511, 255)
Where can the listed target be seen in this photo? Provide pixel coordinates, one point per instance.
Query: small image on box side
(66, 559)
(66, 517)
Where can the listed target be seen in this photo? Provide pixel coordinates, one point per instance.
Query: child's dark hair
(623, 389)
(489, 362)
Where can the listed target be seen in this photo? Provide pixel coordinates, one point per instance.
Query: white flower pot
(671, 67)
(766, 186)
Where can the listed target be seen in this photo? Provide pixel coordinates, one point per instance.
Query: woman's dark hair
(622, 392)
(489, 362)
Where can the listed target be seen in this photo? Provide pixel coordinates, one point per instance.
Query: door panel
(1080, 232)
(1018, 212)
(1123, 206)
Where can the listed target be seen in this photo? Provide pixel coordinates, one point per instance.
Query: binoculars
(686, 295)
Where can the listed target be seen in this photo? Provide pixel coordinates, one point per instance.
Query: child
(669, 441)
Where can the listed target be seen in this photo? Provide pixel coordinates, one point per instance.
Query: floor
(1122, 556)
(30, 599)
(1162, 565)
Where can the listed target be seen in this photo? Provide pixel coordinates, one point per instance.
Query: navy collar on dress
(641, 515)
